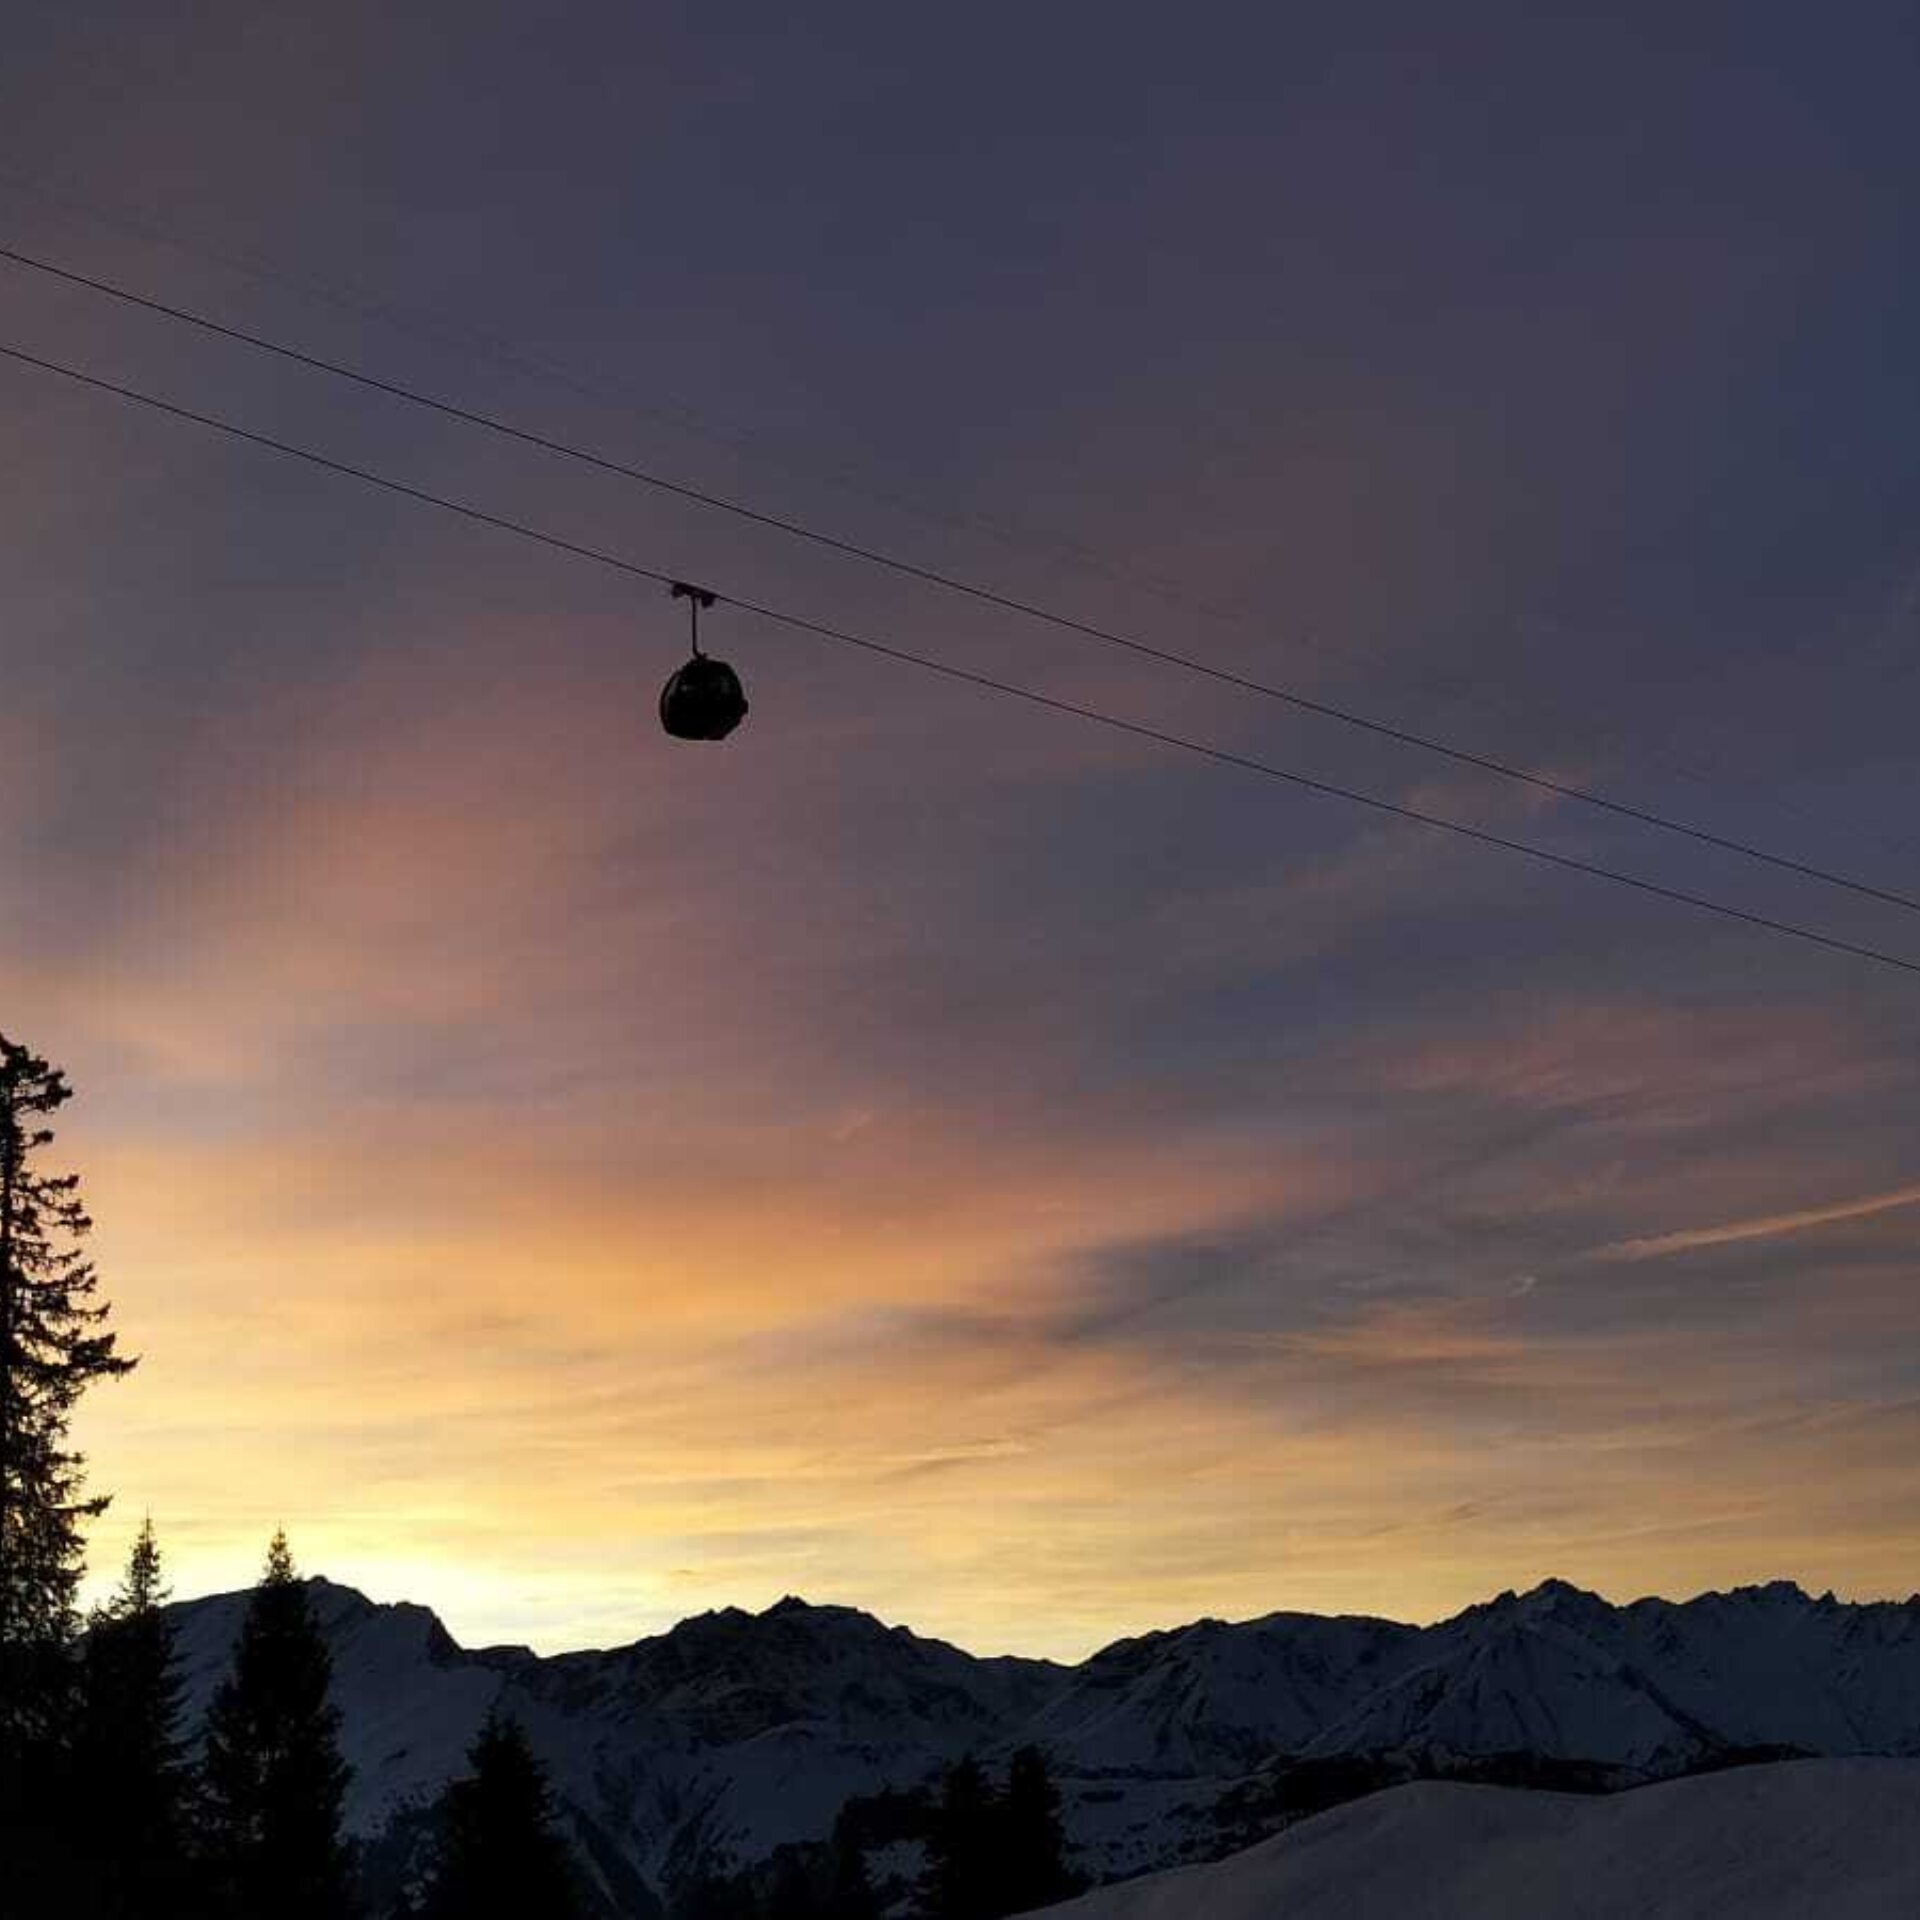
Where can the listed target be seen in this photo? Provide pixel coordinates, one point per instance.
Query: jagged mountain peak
(1548, 1598)
(1554, 1588)
(1776, 1593)
(790, 1625)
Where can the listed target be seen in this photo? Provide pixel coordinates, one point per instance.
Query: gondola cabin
(703, 699)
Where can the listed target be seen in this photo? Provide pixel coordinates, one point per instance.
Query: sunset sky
(929, 1153)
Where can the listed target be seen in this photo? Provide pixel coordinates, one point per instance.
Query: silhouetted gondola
(703, 699)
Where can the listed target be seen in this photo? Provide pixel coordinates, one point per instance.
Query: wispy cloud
(1764, 1227)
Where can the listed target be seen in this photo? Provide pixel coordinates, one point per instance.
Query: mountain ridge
(704, 1747)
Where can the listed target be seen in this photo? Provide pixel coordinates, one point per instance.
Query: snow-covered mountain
(1214, 1698)
(1835, 1838)
(710, 1745)
(690, 1751)
(1653, 1687)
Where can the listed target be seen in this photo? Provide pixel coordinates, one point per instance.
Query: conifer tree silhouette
(53, 1346)
(850, 1894)
(1032, 1852)
(502, 1857)
(791, 1895)
(961, 1865)
(129, 1759)
(274, 1779)
(713, 1897)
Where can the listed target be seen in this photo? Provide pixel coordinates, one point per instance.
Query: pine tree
(53, 1346)
(129, 1761)
(713, 1897)
(791, 1895)
(1032, 1852)
(274, 1779)
(961, 1882)
(502, 1857)
(719, 1897)
(851, 1896)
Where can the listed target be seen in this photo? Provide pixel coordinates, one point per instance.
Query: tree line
(996, 1850)
(988, 1849)
(106, 1810)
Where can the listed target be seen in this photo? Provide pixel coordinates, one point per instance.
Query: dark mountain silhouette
(705, 1748)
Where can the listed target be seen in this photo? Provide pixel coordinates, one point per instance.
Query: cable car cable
(953, 583)
(484, 349)
(798, 623)
(500, 354)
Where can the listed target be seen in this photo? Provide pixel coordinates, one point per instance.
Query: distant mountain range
(704, 1748)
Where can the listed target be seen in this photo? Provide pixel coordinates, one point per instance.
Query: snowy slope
(736, 1732)
(411, 1700)
(1215, 1698)
(706, 1747)
(1803, 1840)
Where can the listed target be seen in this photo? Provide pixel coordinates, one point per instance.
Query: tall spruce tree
(53, 1346)
(850, 1890)
(274, 1779)
(1032, 1853)
(962, 1879)
(502, 1857)
(791, 1892)
(129, 1760)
